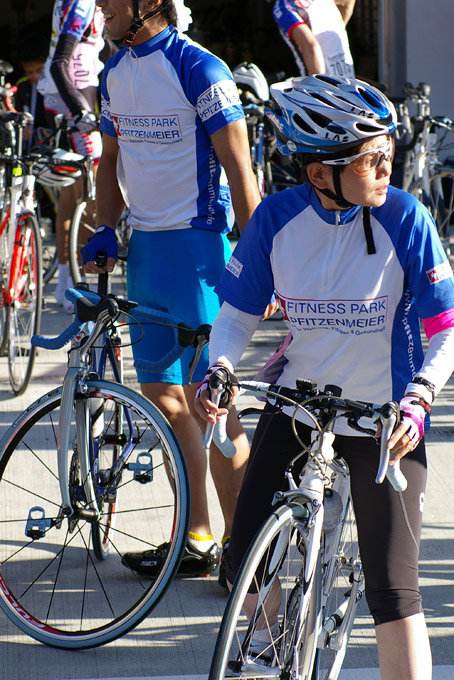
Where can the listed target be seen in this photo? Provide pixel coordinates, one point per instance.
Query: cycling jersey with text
(83, 20)
(325, 22)
(354, 317)
(162, 100)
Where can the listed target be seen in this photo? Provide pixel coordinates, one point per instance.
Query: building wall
(416, 45)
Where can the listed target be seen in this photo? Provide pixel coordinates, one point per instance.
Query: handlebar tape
(74, 328)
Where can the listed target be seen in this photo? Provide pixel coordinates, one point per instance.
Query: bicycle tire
(25, 301)
(276, 547)
(53, 588)
(5, 259)
(339, 574)
(439, 200)
(81, 228)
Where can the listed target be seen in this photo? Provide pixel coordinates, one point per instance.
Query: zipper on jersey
(331, 251)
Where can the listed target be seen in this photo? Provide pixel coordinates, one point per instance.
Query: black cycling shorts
(389, 523)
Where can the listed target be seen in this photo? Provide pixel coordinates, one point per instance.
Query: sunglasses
(365, 162)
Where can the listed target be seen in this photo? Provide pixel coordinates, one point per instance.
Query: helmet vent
(369, 98)
(302, 124)
(318, 118)
(368, 129)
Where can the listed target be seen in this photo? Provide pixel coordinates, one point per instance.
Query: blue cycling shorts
(174, 271)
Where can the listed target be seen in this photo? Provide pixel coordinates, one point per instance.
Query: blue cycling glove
(102, 241)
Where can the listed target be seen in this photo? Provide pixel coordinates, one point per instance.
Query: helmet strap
(138, 22)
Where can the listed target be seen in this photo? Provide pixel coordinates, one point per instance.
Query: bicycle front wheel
(439, 200)
(53, 586)
(342, 589)
(269, 626)
(24, 301)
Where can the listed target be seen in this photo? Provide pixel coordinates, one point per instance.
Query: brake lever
(389, 416)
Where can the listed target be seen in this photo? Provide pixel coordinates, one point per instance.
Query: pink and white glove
(413, 412)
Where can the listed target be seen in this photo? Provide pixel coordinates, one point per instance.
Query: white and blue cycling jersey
(327, 25)
(354, 317)
(163, 99)
(80, 19)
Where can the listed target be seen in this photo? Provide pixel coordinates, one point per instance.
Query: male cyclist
(355, 264)
(171, 115)
(315, 32)
(69, 84)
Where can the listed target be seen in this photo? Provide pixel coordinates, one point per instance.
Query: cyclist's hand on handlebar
(211, 403)
(410, 431)
(102, 241)
(85, 121)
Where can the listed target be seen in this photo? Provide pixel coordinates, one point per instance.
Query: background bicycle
(115, 481)
(421, 140)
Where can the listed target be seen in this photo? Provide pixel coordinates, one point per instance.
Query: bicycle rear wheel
(5, 260)
(25, 300)
(277, 551)
(342, 589)
(53, 587)
(439, 200)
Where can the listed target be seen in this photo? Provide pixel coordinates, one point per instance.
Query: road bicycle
(20, 253)
(423, 173)
(304, 562)
(88, 472)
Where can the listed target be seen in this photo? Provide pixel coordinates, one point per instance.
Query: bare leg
(171, 400)
(66, 203)
(227, 473)
(404, 649)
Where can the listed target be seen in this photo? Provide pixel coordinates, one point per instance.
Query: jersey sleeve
(428, 273)
(212, 91)
(106, 124)
(77, 17)
(287, 16)
(247, 282)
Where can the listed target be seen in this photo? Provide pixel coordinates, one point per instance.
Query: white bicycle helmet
(324, 114)
(250, 77)
(60, 169)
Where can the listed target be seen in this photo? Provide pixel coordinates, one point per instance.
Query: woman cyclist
(355, 264)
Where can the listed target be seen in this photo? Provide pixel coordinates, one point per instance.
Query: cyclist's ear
(319, 175)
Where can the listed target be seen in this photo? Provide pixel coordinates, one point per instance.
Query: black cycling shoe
(222, 578)
(193, 563)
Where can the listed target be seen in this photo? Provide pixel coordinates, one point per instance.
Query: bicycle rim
(25, 299)
(339, 575)
(52, 586)
(275, 551)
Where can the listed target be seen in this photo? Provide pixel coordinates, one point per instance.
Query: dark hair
(169, 12)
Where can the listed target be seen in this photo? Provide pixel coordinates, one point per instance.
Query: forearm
(59, 69)
(232, 149)
(109, 201)
(346, 8)
(230, 335)
(438, 363)
(310, 49)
